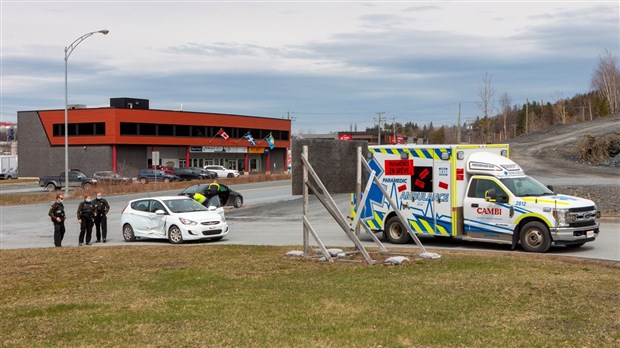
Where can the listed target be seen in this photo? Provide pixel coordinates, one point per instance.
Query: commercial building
(128, 136)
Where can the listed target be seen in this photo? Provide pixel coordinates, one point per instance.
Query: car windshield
(183, 205)
(526, 186)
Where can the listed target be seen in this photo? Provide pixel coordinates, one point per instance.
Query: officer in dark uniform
(58, 216)
(101, 221)
(86, 214)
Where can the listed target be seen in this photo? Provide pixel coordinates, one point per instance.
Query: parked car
(146, 175)
(175, 218)
(227, 196)
(12, 174)
(112, 178)
(191, 174)
(76, 179)
(223, 172)
(210, 174)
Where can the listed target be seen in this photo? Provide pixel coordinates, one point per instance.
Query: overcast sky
(329, 65)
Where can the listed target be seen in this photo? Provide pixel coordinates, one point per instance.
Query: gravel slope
(552, 157)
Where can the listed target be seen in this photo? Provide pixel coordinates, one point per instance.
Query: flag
(270, 141)
(222, 134)
(249, 138)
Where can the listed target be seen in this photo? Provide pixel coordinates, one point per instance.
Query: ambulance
(471, 192)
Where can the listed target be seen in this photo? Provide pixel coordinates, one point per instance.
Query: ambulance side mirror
(490, 195)
(550, 187)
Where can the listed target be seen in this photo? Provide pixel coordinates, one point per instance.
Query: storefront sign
(219, 149)
(256, 150)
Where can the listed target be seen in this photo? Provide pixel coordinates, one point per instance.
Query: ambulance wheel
(535, 237)
(395, 232)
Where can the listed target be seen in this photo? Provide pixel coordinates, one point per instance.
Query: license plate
(590, 234)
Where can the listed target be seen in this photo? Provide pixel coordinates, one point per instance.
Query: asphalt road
(270, 216)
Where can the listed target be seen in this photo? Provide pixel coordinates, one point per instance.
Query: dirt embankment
(580, 159)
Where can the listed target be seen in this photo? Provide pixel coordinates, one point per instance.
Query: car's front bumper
(204, 232)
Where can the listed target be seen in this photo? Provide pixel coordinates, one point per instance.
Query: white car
(176, 218)
(223, 172)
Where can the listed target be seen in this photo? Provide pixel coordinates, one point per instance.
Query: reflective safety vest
(200, 198)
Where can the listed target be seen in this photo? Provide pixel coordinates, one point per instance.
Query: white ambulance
(471, 192)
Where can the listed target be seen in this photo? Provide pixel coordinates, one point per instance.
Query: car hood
(200, 216)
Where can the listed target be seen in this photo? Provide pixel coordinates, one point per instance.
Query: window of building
(147, 129)
(79, 129)
(129, 128)
(182, 131)
(150, 129)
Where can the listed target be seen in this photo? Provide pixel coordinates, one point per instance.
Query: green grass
(215, 295)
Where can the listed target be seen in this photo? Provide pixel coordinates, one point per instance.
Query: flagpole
(216, 134)
(243, 136)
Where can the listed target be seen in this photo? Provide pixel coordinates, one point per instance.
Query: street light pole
(68, 50)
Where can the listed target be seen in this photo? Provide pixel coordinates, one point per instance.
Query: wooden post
(305, 201)
(358, 186)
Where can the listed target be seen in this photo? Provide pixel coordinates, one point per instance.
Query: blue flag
(249, 138)
(271, 141)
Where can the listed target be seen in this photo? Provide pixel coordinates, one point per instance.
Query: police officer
(101, 221)
(57, 214)
(213, 194)
(86, 214)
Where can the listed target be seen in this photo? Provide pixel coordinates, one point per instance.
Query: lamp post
(68, 50)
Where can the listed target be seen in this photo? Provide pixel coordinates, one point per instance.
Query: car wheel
(238, 202)
(535, 237)
(128, 233)
(395, 232)
(174, 235)
(166, 180)
(143, 180)
(230, 175)
(50, 187)
(215, 239)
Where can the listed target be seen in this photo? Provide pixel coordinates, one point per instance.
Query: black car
(191, 174)
(110, 177)
(208, 173)
(227, 196)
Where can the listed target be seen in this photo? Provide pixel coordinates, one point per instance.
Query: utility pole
(379, 114)
(394, 128)
(458, 127)
(527, 104)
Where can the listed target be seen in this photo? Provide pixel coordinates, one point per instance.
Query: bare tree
(505, 101)
(606, 80)
(560, 109)
(486, 93)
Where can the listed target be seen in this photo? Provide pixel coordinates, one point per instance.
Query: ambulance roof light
(504, 153)
(445, 156)
(460, 155)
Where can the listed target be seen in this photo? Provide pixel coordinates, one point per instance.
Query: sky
(327, 65)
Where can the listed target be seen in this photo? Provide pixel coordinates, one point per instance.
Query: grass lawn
(217, 295)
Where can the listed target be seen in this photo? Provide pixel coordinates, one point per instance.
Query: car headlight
(561, 217)
(188, 222)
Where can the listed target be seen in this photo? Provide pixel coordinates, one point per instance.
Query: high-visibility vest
(199, 198)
